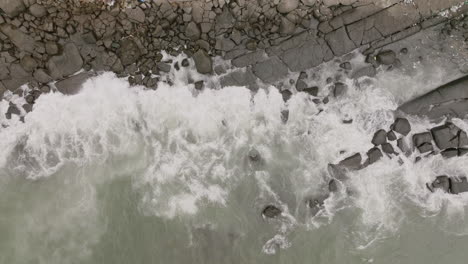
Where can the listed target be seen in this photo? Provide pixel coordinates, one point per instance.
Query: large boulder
(402, 126)
(12, 8)
(203, 62)
(65, 64)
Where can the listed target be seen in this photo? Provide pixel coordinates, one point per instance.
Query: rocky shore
(45, 42)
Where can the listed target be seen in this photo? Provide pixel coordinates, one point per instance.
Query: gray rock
(52, 48)
(199, 85)
(12, 8)
(286, 26)
(391, 136)
(286, 94)
(309, 2)
(386, 57)
(346, 65)
(284, 116)
(458, 185)
(388, 148)
(270, 70)
(66, 63)
(21, 40)
(441, 182)
(28, 63)
(254, 155)
(401, 144)
(311, 90)
(425, 147)
(224, 44)
(41, 76)
(192, 31)
(402, 126)
(12, 110)
(373, 155)
(332, 186)
(240, 78)
(449, 153)
(164, 67)
(444, 138)
(286, 6)
(248, 59)
(271, 211)
(462, 151)
(339, 89)
(129, 52)
(185, 63)
(203, 62)
(37, 10)
(421, 138)
(352, 163)
(135, 14)
(462, 139)
(368, 71)
(339, 42)
(380, 137)
(301, 85)
(73, 84)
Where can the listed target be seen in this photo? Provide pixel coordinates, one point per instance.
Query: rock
(73, 84)
(339, 42)
(380, 137)
(254, 155)
(65, 64)
(368, 71)
(311, 90)
(270, 70)
(12, 8)
(286, 94)
(449, 153)
(224, 44)
(248, 59)
(373, 155)
(332, 186)
(444, 138)
(240, 78)
(462, 152)
(21, 40)
(286, 26)
(458, 185)
(135, 14)
(462, 139)
(300, 85)
(41, 76)
(37, 10)
(401, 144)
(199, 85)
(339, 89)
(28, 63)
(352, 163)
(421, 138)
(185, 63)
(12, 110)
(388, 148)
(391, 136)
(203, 62)
(309, 2)
(346, 65)
(192, 31)
(52, 48)
(441, 182)
(164, 67)
(271, 211)
(129, 52)
(286, 6)
(386, 57)
(401, 126)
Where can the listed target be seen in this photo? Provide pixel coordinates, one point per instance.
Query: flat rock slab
(73, 84)
(450, 100)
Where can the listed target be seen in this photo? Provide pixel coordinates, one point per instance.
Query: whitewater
(124, 174)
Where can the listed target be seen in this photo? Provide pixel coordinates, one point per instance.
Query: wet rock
(380, 137)
(425, 147)
(21, 40)
(316, 203)
(301, 85)
(240, 78)
(391, 136)
(339, 89)
(203, 62)
(12, 8)
(270, 70)
(444, 137)
(164, 67)
(192, 31)
(462, 139)
(388, 148)
(185, 63)
(284, 116)
(73, 84)
(386, 57)
(66, 63)
(332, 185)
(462, 152)
(286, 26)
(199, 85)
(286, 94)
(346, 65)
(311, 90)
(12, 110)
(271, 211)
(373, 155)
(129, 52)
(458, 185)
(352, 163)
(368, 71)
(254, 155)
(441, 182)
(449, 153)
(27, 108)
(402, 126)
(286, 6)
(422, 141)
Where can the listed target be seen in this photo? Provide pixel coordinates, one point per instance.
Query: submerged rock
(254, 155)
(458, 185)
(441, 182)
(271, 211)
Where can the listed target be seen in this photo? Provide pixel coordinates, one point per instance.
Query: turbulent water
(120, 174)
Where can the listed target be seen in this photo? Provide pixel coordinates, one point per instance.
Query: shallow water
(119, 174)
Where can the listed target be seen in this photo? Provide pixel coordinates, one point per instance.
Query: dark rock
(129, 52)
(199, 85)
(66, 63)
(28, 63)
(462, 151)
(380, 137)
(386, 57)
(441, 182)
(135, 14)
(458, 185)
(270, 70)
(240, 78)
(444, 138)
(301, 85)
(248, 59)
(271, 211)
(311, 90)
(391, 136)
(388, 148)
(203, 62)
(286, 94)
(332, 186)
(285, 116)
(401, 126)
(425, 147)
(346, 65)
(462, 139)
(404, 51)
(352, 163)
(12, 110)
(164, 67)
(421, 138)
(185, 63)
(339, 89)
(373, 155)
(27, 108)
(254, 155)
(449, 153)
(21, 40)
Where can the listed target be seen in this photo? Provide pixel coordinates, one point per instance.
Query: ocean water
(120, 174)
